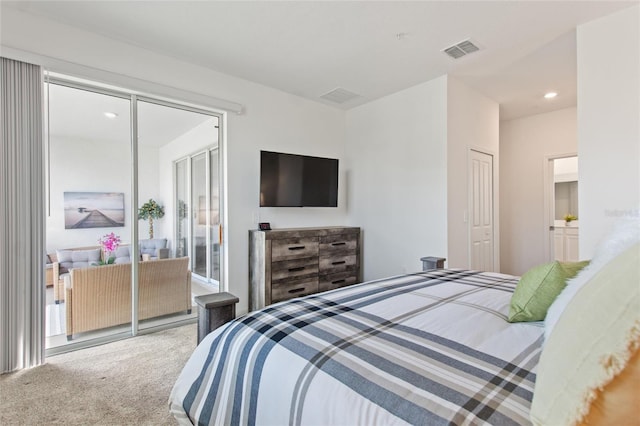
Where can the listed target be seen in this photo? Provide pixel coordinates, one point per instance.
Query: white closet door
(481, 186)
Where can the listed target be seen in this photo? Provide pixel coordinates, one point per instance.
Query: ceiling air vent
(461, 49)
(339, 95)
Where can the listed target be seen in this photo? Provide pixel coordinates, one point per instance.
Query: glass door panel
(92, 209)
(199, 214)
(215, 229)
(182, 208)
(197, 179)
(89, 220)
(166, 178)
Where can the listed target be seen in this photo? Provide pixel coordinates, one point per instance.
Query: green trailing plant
(569, 217)
(150, 211)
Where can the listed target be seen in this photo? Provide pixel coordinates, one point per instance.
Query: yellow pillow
(591, 343)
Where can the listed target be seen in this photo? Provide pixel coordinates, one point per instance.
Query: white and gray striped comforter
(430, 348)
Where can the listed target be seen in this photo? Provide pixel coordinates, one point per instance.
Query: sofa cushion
(122, 255)
(151, 246)
(69, 259)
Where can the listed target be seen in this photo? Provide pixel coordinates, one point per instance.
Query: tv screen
(290, 180)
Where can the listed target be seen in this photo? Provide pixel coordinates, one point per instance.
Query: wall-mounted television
(290, 180)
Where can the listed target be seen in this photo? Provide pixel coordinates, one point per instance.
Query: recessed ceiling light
(550, 95)
(110, 114)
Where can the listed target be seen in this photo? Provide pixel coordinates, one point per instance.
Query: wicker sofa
(100, 297)
(62, 261)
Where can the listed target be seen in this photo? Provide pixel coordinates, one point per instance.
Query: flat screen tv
(290, 180)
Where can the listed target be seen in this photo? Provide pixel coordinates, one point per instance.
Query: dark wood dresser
(288, 263)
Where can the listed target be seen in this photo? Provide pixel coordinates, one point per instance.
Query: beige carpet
(122, 383)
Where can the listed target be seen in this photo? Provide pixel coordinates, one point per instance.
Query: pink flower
(109, 243)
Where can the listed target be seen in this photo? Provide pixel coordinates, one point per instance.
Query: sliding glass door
(88, 219)
(128, 219)
(215, 229)
(199, 222)
(197, 184)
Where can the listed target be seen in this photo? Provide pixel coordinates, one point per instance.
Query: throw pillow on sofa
(122, 255)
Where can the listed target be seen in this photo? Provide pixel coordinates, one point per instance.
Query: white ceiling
(79, 115)
(370, 48)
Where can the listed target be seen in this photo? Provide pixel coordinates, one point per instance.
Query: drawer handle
(300, 268)
(338, 244)
(337, 281)
(340, 262)
(296, 290)
(296, 248)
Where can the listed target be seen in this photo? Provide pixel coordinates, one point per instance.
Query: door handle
(552, 228)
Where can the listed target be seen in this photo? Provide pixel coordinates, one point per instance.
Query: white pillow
(591, 344)
(625, 234)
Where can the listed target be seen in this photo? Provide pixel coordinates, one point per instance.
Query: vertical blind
(21, 216)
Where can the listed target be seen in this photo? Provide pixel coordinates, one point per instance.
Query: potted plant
(149, 211)
(568, 218)
(109, 244)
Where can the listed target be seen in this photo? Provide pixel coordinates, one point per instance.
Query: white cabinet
(566, 243)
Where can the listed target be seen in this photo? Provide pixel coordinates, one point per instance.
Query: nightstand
(214, 310)
(432, 263)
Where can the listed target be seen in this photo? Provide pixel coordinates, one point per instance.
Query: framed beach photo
(93, 210)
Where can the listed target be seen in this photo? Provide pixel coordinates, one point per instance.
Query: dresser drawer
(333, 281)
(293, 248)
(285, 263)
(342, 243)
(296, 268)
(333, 264)
(289, 290)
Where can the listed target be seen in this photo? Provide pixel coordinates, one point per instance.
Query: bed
(426, 348)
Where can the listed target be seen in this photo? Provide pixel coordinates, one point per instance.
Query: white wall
(397, 174)
(194, 141)
(87, 166)
(524, 144)
(148, 173)
(565, 169)
(472, 122)
(81, 166)
(273, 119)
(608, 123)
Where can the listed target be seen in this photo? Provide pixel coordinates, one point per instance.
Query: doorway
(109, 159)
(561, 209)
(197, 200)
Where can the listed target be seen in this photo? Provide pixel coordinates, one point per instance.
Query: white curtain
(21, 216)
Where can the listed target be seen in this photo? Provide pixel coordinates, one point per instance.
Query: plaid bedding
(429, 348)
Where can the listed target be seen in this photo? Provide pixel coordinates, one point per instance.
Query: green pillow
(539, 287)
